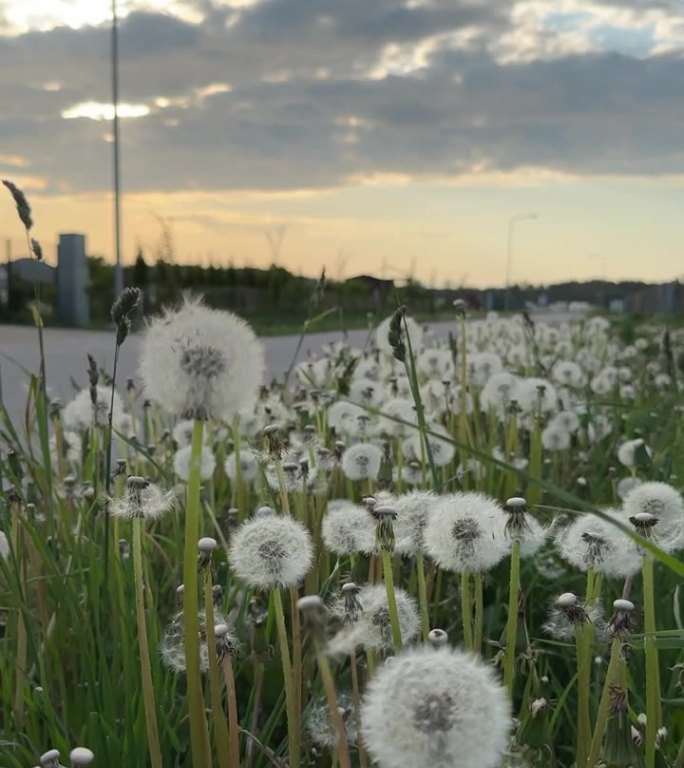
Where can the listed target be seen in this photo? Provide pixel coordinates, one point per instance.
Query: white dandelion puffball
(78, 415)
(372, 629)
(198, 362)
(270, 552)
(319, 724)
(435, 707)
(172, 646)
(181, 462)
(249, 466)
(362, 461)
(532, 538)
(414, 330)
(72, 448)
(555, 438)
(567, 374)
(348, 528)
(626, 453)
(465, 532)
(498, 392)
(442, 448)
(662, 501)
(536, 394)
(142, 499)
(182, 432)
(592, 542)
(412, 510)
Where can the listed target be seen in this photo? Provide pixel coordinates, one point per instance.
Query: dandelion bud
(180, 590)
(130, 385)
(264, 511)
(226, 643)
(217, 594)
(55, 408)
(459, 306)
(206, 547)
(438, 638)
(273, 443)
(384, 529)
(124, 549)
(352, 606)
(81, 756)
(120, 468)
(50, 759)
(567, 600)
(314, 615)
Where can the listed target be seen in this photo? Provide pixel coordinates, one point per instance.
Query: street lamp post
(509, 250)
(118, 273)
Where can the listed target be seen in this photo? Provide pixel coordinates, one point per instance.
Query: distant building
(73, 302)
(663, 299)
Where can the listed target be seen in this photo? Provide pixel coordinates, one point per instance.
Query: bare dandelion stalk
(422, 596)
(616, 670)
(199, 736)
(221, 734)
(292, 732)
(313, 612)
(143, 645)
(467, 611)
(234, 727)
(653, 711)
(512, 622)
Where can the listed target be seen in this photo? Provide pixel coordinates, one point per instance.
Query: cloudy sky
(384, 136)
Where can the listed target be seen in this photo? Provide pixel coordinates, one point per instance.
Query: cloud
(313, 94)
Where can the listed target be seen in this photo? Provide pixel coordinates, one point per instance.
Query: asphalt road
(66, 363)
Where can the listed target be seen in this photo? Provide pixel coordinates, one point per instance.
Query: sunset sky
(375, 136)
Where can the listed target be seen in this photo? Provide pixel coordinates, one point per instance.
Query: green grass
(69, 652)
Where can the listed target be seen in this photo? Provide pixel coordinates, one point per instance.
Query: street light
(509, 250)
(116, 159)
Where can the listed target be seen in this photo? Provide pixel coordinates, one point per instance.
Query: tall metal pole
(509, 251)
(118, 273)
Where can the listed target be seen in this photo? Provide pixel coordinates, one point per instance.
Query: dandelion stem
(512, 623)
(223, 738)
(292, 734)
(466, 610)
(143, 645)
(342, 748)
(604, 704)
(422, 596)
(296, 660)
(234, 727)
(653, 715)
(199, 736)
(583, 643)
(363, 757)
(479, 612)
(391, 599)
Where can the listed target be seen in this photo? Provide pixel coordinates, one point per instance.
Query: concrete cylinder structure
(73, 301)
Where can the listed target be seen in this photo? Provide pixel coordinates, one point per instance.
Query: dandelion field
(456, 554)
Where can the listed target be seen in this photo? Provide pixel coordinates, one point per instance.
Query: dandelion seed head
(142, 500)
(198, 362)
(348, 528)
(249, 466)
(441, 708)
(78, 414)
(465, 532)
(362, 461)
(661, 500)
(592, 542)
(172, 646)
(372, 629)
(181, 462)
(627, 452)
(319, 724)
(271, 552)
